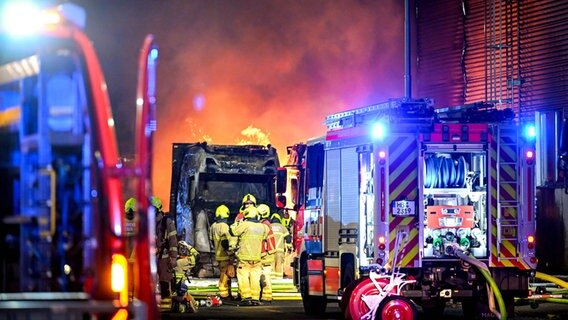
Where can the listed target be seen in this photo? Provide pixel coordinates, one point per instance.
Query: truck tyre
(357, 306)
(312, 304)
(396, 307)
(346, 297)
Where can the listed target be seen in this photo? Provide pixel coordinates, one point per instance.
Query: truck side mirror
(281, 201)
(281, 180)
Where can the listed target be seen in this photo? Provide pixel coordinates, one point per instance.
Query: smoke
(254, 71)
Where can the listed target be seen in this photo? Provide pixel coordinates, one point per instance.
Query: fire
(254, 135)
(272, 78)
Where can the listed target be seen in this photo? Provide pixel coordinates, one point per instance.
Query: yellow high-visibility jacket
(280, 232)
(251, 237)
(218, 233)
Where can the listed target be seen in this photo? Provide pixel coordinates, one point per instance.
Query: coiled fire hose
(493, 290)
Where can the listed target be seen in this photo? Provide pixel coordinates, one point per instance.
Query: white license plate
(403, 208)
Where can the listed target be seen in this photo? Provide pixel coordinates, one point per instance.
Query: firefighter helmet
(249, 198)
(130, 205)
(275, 217)
(156, 202)
(222, 212)
(263, 211)
(251, 213)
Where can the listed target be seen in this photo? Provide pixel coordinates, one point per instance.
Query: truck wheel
(396, 308)
(357, 306)
(346, 297)
(312, 304)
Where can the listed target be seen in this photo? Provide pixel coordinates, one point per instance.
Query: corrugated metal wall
(460, 60)
(440, 39)
(544, 55)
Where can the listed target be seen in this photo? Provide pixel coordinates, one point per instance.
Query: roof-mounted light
(379, 131)
(22, 18)
(529, 131)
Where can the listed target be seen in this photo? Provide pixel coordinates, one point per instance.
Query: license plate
(403, 208)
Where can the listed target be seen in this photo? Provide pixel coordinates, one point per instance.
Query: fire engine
(63, 228)
(402, 204)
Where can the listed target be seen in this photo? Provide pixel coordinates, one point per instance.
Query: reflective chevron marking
(403, 184)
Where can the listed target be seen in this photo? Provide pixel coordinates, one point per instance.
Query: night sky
(276, 67)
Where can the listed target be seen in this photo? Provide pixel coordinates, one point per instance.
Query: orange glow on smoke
(239, 76)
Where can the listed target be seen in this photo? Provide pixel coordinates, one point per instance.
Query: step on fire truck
(402, 204)
(63, 226)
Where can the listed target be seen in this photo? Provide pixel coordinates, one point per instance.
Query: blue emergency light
(379, 131)
(529, 131)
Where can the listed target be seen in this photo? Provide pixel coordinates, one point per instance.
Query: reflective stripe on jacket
(251, 235)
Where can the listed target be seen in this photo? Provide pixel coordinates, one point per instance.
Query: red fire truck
(63, 228)
(402, 204)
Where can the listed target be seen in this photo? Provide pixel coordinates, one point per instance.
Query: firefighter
(251, 236)
(248, 200)
(290, 253)
(166, 250)
(187, 259)
(130, 210)
(283, 244)
(267, 259)
(223, 242)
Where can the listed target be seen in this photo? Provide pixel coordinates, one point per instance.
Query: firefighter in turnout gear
(290, 253)
(167, 252)
(223, 242)
(184, 301)
(283, 244)
(267, 259)
(248, 200)
(130, 213)
(251, 237)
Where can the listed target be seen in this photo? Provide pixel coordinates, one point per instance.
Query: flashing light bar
(22, 18)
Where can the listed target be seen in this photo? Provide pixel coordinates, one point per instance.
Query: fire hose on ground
(493, 291)
(559, 296)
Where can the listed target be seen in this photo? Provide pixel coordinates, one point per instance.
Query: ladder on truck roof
(404, 107)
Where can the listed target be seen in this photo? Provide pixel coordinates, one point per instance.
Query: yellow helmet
(275, 217)
(249, 198)
(130, 205)
(263, 211)
(222, 212)
(251, 213)
(156, 202)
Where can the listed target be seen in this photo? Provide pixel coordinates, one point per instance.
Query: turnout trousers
(248, 277)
